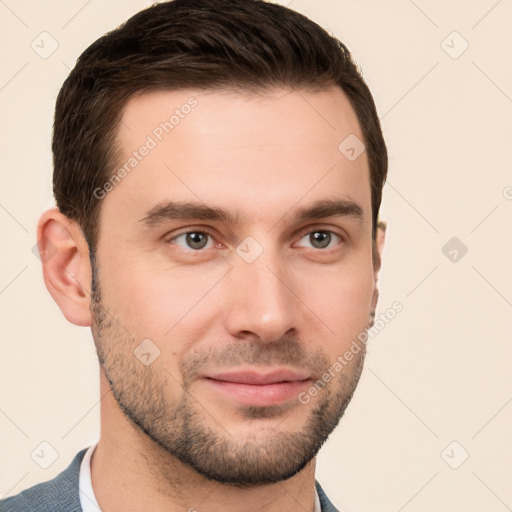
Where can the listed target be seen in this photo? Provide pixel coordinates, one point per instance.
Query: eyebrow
(189, 210)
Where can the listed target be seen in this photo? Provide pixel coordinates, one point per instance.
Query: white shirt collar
(88, 500)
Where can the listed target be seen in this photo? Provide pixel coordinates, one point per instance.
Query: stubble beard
(186, 429)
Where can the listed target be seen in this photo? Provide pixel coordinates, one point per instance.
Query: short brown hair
(199, 44)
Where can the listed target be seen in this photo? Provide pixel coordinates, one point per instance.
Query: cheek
(159, 303)
(341, 300)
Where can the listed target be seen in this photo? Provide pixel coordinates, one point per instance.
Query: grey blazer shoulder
(57, 495)
(62, 495)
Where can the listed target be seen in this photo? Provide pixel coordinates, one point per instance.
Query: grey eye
(320, 239)
(196, 240)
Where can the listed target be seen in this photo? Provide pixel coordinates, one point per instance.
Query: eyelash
(208, 233)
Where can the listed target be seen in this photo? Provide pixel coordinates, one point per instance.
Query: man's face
(242, 312)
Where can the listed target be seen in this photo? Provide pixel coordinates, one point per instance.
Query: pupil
(320, 239)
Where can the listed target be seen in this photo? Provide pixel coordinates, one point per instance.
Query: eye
(195, 240)
(321, 239)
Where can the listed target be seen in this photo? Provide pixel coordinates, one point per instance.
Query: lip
(259, 388)
(260, 378)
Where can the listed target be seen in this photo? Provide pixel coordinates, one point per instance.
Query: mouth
(256, 388)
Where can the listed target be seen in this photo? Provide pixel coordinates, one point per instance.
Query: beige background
(439, 372)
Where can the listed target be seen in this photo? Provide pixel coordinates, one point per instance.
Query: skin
(296, 306)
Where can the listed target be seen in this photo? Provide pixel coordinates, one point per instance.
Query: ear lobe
(66, 267)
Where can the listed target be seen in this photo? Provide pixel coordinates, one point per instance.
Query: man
(218, 171)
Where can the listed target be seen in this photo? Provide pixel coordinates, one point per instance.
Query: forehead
(298, 115)
(256, 153)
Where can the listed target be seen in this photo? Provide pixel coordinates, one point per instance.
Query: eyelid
(322, 227)
(207, 231)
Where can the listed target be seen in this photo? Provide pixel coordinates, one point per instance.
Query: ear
(378, 247)
(66, 267)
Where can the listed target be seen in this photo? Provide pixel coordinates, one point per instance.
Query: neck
(131, 472)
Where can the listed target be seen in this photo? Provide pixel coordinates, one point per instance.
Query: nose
(260, 302)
